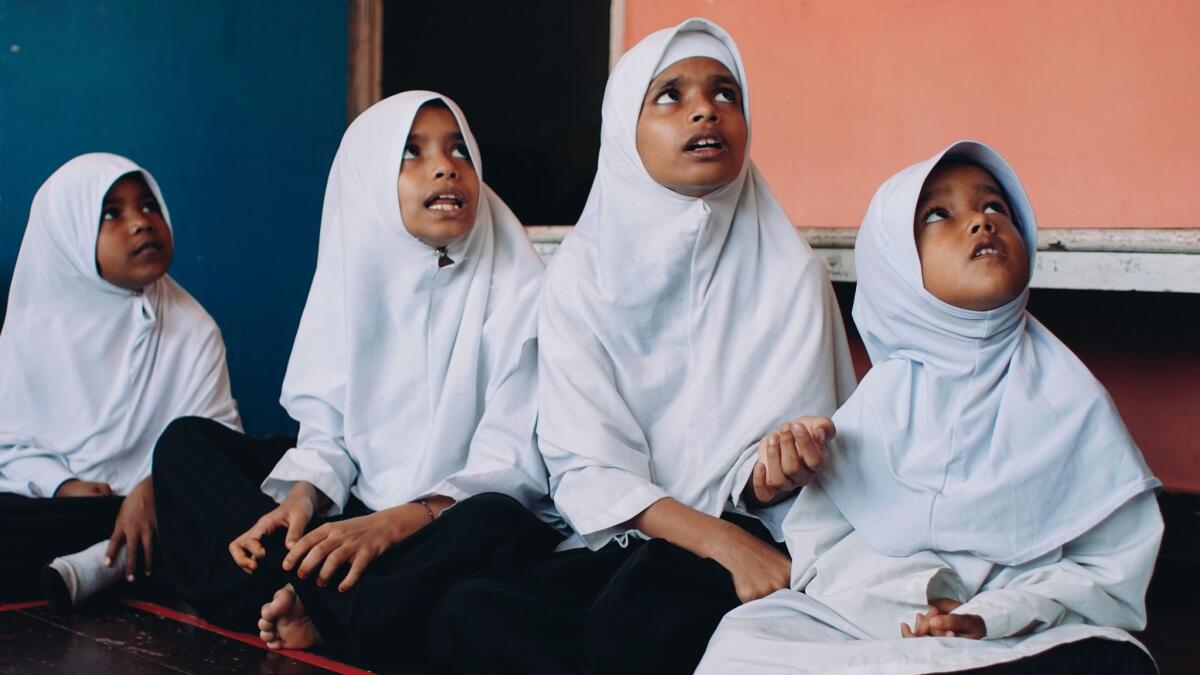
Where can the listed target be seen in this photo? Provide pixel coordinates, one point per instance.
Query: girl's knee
(175, 443)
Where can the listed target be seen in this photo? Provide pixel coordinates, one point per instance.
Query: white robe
(91, 373)
(675, 331)
(978, 460)
(847, 620)
(402, 369)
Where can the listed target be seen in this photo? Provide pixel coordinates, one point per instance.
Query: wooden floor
(135, 637)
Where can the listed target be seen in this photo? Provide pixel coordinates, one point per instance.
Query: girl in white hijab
(682, 322)
(100, 350)
(413, 378)
(984, 502)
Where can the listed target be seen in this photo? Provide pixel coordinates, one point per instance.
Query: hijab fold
(974, 431)
(402, 368)
(675, 332)
(91, 373)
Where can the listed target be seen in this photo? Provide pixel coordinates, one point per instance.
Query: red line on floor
(12, 606)
(306, 657)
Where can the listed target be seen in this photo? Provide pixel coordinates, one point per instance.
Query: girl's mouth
(151, 245)
(987, 248)
(705, 145)
(448, 202)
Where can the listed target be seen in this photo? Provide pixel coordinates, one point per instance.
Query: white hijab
(91, 373)
(396, 359)
(675, 331)
(975, 431)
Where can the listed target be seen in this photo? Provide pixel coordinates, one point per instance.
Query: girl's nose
(140, 223)
(445, 171)
(981, 222)
(704, 111)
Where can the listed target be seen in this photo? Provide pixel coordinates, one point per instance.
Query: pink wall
(1096, 103)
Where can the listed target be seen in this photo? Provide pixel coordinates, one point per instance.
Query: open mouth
(446, 201)
(987, 248)
(705, 143)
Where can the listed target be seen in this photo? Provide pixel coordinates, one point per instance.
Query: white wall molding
(1149, 260)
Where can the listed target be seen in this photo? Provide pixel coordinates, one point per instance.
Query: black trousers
(38, 530)
(650, 607)
(1086, 657)
(207, 481)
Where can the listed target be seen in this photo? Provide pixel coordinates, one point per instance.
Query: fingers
(246, 551)
(792, 455)
(103, 489)
(356, 570)
(811, 453)
(905, 631)
(821, 429)
(241, 556)
(295, 530)
(958, 625)
(131, 555)
(147, 552)
(303, 549)
(316, 556)
(114, 546)
(332, 562)
(789, 460)
(775, 478)
(762, 493)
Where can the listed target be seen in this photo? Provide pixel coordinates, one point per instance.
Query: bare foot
(285, 624)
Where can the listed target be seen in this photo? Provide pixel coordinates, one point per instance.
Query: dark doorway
(530, 77)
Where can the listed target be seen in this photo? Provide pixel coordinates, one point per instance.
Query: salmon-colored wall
(1095, 102)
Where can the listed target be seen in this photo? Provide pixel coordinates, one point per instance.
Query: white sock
(85, 573)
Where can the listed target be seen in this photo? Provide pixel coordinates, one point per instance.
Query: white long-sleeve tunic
(847, 600)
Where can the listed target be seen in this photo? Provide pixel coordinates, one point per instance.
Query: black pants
(1086, 657)
(207, 482)
(649, 607)
(38, 530)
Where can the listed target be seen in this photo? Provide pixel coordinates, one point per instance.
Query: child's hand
(134, 529)
(354, 541)
(758, 569)
(789, 458)
(83, 488)
(939, 622)
(294, 513)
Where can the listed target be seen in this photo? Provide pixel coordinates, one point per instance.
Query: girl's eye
(150, 207)
(460, 151)
(411, 151)
(934, 215)
(110, 213)
(669, 96)
(995, 207)
(726, 96)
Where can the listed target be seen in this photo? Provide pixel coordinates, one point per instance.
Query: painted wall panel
(236, 107)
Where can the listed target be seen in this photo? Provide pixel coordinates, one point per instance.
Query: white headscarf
(675, 331)
(91, 373)
(975, 431)
(396, 359)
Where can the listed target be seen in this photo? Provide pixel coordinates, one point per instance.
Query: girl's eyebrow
(935, 193)
(455, 136)
(666, 84)
(989, 189)
(725, 79)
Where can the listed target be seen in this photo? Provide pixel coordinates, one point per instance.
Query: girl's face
(972, 255)
(134, 247)
(438, 187)
(691, 134)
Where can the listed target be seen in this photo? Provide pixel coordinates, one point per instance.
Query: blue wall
(236, 107)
